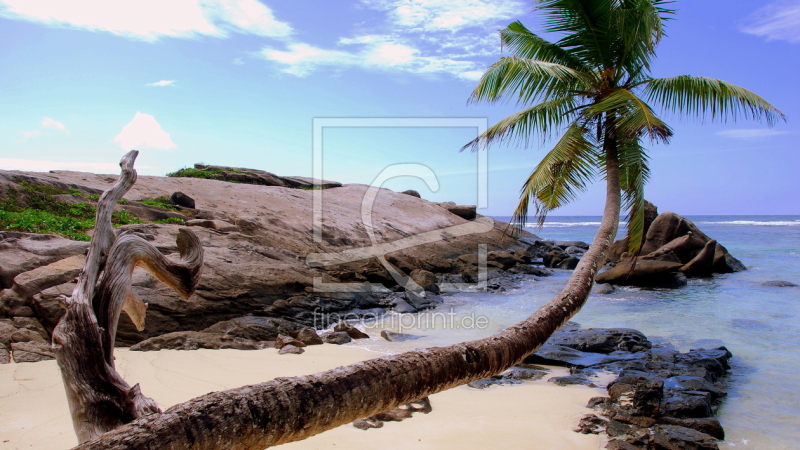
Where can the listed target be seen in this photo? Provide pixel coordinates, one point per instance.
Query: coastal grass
(160, 202)
(171, 220)
(33, 208)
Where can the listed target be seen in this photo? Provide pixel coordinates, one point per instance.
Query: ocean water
(760, 325)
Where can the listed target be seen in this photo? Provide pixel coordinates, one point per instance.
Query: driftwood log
(284, 409)
(83, 341)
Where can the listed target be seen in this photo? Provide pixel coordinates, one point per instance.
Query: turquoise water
(760, 325)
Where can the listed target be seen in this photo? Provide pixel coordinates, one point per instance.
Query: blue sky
(239, 82)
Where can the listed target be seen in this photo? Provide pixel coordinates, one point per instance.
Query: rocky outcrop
(257, 240)
(673, 249)
(253, 176)
(661, 398)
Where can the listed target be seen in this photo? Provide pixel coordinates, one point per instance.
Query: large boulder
(673, 245)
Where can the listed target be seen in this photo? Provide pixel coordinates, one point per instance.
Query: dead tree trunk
(290, 409)
(83, 341)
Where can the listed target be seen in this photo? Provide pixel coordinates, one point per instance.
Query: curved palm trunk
(290, 409)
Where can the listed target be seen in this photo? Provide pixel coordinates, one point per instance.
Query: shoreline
(34, 412)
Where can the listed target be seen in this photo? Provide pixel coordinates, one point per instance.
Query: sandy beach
(536, 415)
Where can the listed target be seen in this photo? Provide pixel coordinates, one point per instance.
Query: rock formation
(257, 282)
(673, 249)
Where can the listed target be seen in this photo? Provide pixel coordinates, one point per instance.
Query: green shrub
(195, 173)
(160, 202)
(172, 220)
(35, 221)
(123, 217)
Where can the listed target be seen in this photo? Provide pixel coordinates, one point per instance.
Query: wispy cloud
(42, 166)
(371, 53)
(161, 83)
(752, 133)
(54, 125)
(144, 132)
(150, 20)
(46, 123)
(29, 135)
(446, 15)
(777, 21)
(426, 37)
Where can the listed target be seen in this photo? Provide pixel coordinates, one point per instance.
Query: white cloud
(54, 125)
(151, 19)
(373, 52)
(752, 133)
(777, 21)
(161, 83)
(144, 132)
(447, 15)
(47, 123)
(30, 134)
(43, 166)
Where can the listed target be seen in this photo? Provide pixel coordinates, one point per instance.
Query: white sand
(536, 415)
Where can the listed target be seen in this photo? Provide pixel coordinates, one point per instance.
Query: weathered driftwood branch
(83, 341)
(290, 409)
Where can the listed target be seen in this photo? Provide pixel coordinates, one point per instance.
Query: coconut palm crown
(594, 83)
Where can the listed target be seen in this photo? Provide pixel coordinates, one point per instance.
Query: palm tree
(593, 82)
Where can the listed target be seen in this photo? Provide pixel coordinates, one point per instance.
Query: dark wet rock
(412, 193)
(515, 375)
(366, 424)
(577, 379)
(426, 280)
(506, 259)
(391, 336)
(351, 331)
(255, 328)
(181, 199)
(644, 273)
(711, 427)
(283, 340)
(569, 263)
(778, 283)
(671, 437)
(591, 424)
(604, 289)
(602, 340)
(575, 251)
(560, 355)
(31, 351)
(290, 349)
(554, 257)
(336, 337)
(523, 255)
(616, 428)
(530, 270)
(690, 383)
(621, 444)
(578, 244)
(309, 336)
(687, 404)
(426, 300)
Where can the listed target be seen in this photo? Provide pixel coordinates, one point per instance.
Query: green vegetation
(33, 209)
(207, 173)
(593, 85)
(195, 173)
(160, 202)
(171, 220)
(36, 221)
